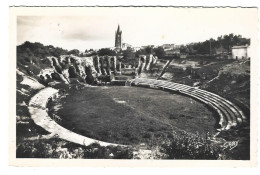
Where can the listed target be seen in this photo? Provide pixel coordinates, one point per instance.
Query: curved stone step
(238, 117)
(224, 103)
(222, 113)
(238, 110)
(222, 121)
(232, 121)
(229, 111)
(232, 110)
(231, 118)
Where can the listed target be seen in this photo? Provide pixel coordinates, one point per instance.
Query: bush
(147, 135)
(187, 146)
(55, 148)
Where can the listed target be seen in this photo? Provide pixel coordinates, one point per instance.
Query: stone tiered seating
(230, 115)
(120, 80)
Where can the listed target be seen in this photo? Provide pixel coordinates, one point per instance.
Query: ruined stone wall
(145, 64)
(106, 65)
(55, 71)
(84, 69)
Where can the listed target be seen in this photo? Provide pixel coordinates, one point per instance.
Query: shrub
(187, 146)
(147, 135)
(121, 152)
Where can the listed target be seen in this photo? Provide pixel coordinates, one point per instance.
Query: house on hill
(172, 52)
(241, 52)
(168, 46)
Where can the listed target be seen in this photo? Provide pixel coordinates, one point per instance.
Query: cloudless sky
(95, 27)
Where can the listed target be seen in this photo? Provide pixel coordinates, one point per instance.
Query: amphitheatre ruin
(163, 102)
(99, 100)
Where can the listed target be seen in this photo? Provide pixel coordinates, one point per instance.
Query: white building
(241, 52)
(172, 52)
(136, 49)
(168, 46)
(126, 46)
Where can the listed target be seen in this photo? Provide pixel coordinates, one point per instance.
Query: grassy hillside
(32, 57)
(233, 82)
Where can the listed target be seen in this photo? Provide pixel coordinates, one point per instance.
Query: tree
(74, 52)
(159, 52)
(128, 54)
(148, 50)
(106, 51)
(90, 50)
(226, 42)
(139, 52)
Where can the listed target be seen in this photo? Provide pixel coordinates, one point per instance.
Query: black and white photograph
(134, 83)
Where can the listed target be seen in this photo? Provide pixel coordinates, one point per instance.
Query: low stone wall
(39, 114)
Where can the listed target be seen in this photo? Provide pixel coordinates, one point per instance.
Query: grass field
(132, 115)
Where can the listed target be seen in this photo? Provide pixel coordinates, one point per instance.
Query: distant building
(118, 38)
(177, 46)
(126, 46)
(136, 48)
(240, 52)
(143, 47)
(172, 52)
(168, 46)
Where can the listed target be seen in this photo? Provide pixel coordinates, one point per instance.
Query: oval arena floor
(132, 115)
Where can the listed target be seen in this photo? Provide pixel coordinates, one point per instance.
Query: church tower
(118, 38)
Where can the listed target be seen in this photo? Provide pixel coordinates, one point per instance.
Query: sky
(95, 27)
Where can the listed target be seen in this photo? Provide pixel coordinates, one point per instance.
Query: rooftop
(238, 47)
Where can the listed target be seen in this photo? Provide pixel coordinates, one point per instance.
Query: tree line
(37, 52)
(224, 42)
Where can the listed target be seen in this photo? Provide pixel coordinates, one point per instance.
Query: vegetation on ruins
(185, 146)
(57, 148)
(106, 51)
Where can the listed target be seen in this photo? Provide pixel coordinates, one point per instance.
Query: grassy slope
(233, 82)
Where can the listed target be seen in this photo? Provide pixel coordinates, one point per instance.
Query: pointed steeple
(118, 37)
(118, 29)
